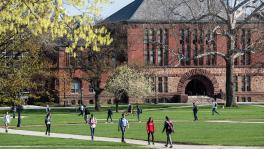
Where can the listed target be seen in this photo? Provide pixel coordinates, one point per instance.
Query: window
(245, 43)
(201, 42)
(246, 83)
(195, 43)
(73, 61)
(210, 47)
(185, 46)
(91, 89)
(152, 82)
(162, 84)
(156, 42)
(236, 83)
(76, 86)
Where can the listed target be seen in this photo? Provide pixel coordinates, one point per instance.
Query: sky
(107, 10)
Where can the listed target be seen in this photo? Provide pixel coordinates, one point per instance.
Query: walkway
(130, 141)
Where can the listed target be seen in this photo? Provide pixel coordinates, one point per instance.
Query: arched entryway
(199, 85)
(198, 82)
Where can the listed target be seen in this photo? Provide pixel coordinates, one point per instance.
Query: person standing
(214, 107)
(129, 109)
(47, 109)
(48, 123)
(14, 109)
(6, 120)
(92, 123)
(195, 111)
(150, 130)
(168, 126)
(123, 124)
(139, 111)
(109, 115)
(19, 110)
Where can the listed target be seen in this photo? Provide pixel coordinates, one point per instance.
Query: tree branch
(211, 53)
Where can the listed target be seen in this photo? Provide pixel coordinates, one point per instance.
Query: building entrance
(199, 85)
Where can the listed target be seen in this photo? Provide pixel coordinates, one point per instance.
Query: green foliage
(49, 16)
(128, 81)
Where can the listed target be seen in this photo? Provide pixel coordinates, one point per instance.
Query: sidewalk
(130, 141)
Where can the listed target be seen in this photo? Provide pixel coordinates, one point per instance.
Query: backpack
(170, 126)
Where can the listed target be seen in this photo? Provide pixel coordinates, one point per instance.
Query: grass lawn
(18, 141)
(239, 132)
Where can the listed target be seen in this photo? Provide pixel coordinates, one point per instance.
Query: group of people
(122, 123)
(195, 109)
(7, 118)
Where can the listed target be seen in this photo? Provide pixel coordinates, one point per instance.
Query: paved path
(130, 141)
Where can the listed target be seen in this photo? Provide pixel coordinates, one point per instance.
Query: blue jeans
(92, 133)
(123, 130)
(169, 141)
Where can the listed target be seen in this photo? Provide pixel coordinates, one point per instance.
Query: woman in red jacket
(150, 129)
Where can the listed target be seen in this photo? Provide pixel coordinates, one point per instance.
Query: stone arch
(186, 78)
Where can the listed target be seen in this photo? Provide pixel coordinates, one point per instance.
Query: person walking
(195, 111)
(168, 126)
(139, 111)
(86, 114)
(81, 108)
(48, 123)
(214, 107)
(47, 109)
(92, 123)
(123, 124)
(109, 115)
(150, 130)
(6, 120)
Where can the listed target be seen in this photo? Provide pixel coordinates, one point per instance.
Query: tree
(18, 66)
(127, 81)
(225, 18)
(49, 16)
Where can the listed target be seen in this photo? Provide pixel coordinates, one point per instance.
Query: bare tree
(225, 19)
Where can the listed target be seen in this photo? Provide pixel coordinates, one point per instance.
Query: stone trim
(185, 79)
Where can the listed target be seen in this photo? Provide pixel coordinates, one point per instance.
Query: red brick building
(153, 39)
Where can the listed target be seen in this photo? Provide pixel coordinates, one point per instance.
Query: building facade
(167, 48)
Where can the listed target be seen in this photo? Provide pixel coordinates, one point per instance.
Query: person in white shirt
(6, 120)
(47, 109)
(123, 124)
(214, 107)
(92, 123)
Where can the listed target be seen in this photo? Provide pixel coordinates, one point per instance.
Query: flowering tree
(127, 81)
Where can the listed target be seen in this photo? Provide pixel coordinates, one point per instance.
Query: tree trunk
(97, 101)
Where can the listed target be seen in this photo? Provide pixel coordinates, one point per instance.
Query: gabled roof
(149, 11)
(157, 11)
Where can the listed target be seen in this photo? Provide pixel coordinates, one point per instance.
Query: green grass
(9, 141)
(186, 131)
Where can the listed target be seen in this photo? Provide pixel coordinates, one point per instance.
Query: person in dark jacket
(150, 130)
(48, 123)
(139, 111)
(195, 111)
(86, 114)
(109, 115)
(168, 126)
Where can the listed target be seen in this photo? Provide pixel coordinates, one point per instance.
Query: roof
(165, 11)
(157, 11)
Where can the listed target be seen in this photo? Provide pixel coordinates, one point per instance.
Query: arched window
(76, 86)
